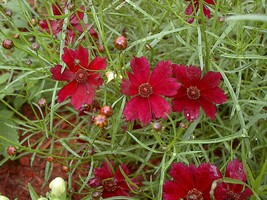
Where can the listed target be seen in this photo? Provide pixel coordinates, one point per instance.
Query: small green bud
(57, 186)
(3, 198)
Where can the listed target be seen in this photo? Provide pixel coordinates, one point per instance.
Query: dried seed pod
(65, 168)
(35, 46)
(157, 126)
(16, 36)
(42, 102)
(31, 39)
(33, 22)
(120, 43)
(11, 150)
(7, 44)
(101, 121)
(28, 62)
(8, 12)
(106, 110)
(101, 48)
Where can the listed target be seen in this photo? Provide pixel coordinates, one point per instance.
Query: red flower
(197, 91)
(194, 8)
(83, 77)
(110, 182)
(225, 191)
(147, 90)
(74, 24)
(190, 182)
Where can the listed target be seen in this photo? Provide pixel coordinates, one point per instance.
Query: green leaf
(33, 194)
(8, 134)
(4, 77)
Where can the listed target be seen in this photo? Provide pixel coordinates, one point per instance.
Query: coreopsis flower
(83, 77)
(194, 6)
(55, 26)
(111, 182)
(224, 191)
(190, 182)
(197, 91)
(148, 90)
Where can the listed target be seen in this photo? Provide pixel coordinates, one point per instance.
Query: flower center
(109, 185)
(193, 92)
(145, 90)
(232, 196)
(81, 76)
(194, 195)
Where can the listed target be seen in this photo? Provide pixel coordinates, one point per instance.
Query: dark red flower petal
(67, 91)
(183, 175)
(180, 104)
(220, 193)
(138, 108)
(191, 111)
(51, 26)
(67, 75)
(77, 17)
(118, 192)
(235, 170)
(84, 94)
(95, 80)
(118, 174)
(205, 175)
(214, 95)
(69, 57)
(173, 191)
(141, 69)
(161, 82)
(209, 108)
(105, 171)
(206, 11)
(162, 71)
(128, 88)
(159, 106)
(93, 33)
(57, 10)
(97, 64)
(209, 80)
(188, 76)
(189, 10)
(246, 193)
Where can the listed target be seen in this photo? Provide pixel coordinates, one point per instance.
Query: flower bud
(106, 110)
(65, 168)
(49, 159)
(157, 127)
(41, 198)
(120, 43)
(11, 150)
(42, 102)
(8, 12)
(57, 186)
(3, 197)
(16, 36)
(7, 44)
(35, 46)
(101, 121)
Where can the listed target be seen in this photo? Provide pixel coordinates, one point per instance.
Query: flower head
(197, 91)
(110, 182)
(148, 90)
(55, 26)
(223, 191)
(194, 6)
(83, 77)
(189, 182)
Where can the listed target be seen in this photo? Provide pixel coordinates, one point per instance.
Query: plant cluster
(137, 99)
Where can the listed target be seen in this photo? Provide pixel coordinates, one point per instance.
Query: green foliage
(232, 42)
